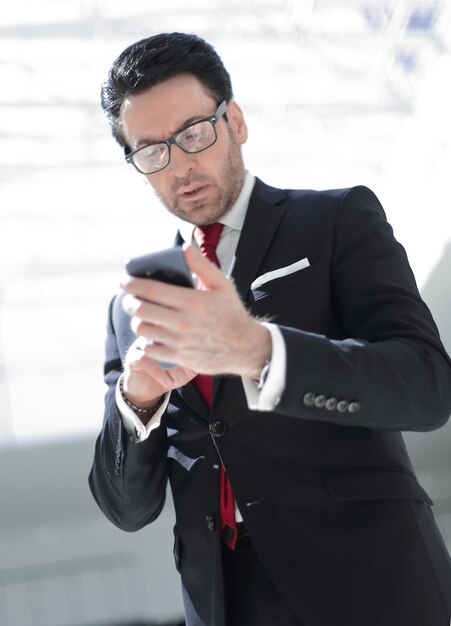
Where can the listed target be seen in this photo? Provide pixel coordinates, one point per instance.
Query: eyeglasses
(196, 137)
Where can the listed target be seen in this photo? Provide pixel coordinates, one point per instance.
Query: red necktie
(207, 238)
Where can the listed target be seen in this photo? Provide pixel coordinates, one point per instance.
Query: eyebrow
(186, 123)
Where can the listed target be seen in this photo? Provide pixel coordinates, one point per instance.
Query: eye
(151, 158)
(155, 151)
(194, 136)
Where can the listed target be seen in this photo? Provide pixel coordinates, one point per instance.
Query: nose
(181, 163)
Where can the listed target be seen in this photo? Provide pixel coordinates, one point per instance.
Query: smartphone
(168, 266)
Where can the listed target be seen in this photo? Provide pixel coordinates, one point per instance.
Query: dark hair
(153, 60)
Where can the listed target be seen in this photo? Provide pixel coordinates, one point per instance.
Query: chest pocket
(291, 281)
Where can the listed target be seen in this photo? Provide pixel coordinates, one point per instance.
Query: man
(298, 429)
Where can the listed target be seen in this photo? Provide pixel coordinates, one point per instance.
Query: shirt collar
(234, 218)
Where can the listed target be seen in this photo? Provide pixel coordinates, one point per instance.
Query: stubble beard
(226, 194)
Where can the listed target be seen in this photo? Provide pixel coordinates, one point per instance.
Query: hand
(207, 331)
(144, 382)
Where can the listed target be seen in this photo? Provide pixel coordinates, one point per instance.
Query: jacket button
(309, 399)
(218, 429)
(354, 406)
(320, 401)
(331, 404)
(210, 523)
(342, 406)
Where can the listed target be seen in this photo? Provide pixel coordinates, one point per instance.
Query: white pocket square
(279, 273)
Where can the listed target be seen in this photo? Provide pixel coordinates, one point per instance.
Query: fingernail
(130, 304)
(124, 281)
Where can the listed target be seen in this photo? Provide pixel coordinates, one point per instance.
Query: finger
(176, 376)
(160, 344)
(210, 275)
(149, 362)
(138, 360)
(130, 304)
(164, 294)
(154, 333)
(163, 353)
(134, 358)
(150, 312)
(139, 343)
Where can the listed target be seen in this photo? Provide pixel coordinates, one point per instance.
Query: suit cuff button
(331, 404)
(309, 399)
(342, 406)
(320, 401)
(354, 406)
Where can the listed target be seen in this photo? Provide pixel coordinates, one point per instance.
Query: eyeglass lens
(195, 138)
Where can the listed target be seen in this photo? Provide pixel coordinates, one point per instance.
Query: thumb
(210, 275)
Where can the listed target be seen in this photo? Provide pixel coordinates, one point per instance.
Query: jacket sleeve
(391, 370)
(128, 480)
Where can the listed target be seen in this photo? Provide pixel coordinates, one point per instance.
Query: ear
(237, 121)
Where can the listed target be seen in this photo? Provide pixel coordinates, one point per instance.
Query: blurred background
(335, 93)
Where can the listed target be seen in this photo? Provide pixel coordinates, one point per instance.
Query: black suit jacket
(324, 483)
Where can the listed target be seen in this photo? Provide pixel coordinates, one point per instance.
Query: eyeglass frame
(213, 119)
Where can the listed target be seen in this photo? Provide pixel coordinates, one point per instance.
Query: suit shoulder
(316, 197)
(332, 203)
(328, 196)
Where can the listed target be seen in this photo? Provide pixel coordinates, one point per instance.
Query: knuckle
(184, 326)
(141, 328)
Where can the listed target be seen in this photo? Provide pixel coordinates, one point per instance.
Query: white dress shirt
(264, 399)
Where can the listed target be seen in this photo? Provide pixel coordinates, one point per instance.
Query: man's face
(200, 187)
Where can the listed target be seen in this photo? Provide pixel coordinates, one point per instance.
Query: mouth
(193, 192)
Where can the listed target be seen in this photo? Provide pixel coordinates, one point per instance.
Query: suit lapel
(262, 220)
(192, 397)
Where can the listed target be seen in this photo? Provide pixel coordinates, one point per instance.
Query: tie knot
(207, 237)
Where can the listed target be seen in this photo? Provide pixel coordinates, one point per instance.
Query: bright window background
(335, 94)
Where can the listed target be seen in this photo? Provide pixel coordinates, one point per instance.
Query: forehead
(162, 110)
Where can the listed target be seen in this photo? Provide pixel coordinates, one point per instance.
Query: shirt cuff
(267, 398)
(137, 430)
